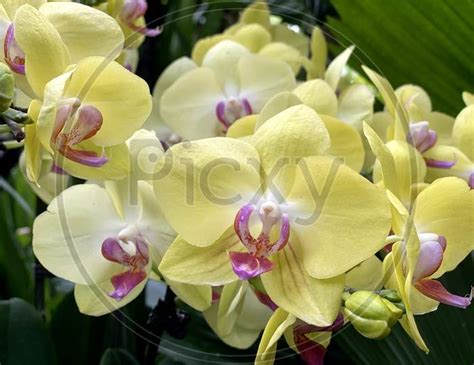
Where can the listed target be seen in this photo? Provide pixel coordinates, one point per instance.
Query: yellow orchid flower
(88, 114)
(231, 83)
(237, 316)
(409, 117)
(437, 236)
(261, 33)
(40, 43)
(237, 183)
(102, 241)
(456, 159)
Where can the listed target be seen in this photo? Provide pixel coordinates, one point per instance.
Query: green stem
(11, 145)
(17, 116)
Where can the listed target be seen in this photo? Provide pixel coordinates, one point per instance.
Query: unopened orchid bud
(7, 87)
(370, 314)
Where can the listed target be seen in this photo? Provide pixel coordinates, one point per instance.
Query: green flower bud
(370, 314)
(7, 87)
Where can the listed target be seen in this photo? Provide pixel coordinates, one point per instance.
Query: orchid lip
(131, 11)
(435, 290)
(471, 180)
(421, 137)
(88, 123)
(250, 264)
(232, 109)
(125, 282)
(13, 55)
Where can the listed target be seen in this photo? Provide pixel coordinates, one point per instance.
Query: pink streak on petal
(311, 352)
(284, 235)
(471, 181)
(87, 158)
(435, 290)
(125, 282)
(57, 170)
(265, 299)
(247, 266)
(439, 164)
(247, 107)
(429, 260)
(220, 113)
(241, 226)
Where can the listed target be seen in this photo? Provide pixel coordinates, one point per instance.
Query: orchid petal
(333, 73)
(317, 94)
(226, 175)
(341, 219)
(463, 131)
(312, 300)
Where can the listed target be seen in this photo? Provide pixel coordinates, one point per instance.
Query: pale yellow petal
(201, 203)
(341, 219)
(318, 95)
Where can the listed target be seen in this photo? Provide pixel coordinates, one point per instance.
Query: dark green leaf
(423, 42)
(24, 339)
(118, 357)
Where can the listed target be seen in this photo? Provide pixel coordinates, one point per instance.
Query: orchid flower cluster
(257, 181)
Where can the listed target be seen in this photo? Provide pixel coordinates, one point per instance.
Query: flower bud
(7, 87)
(370, 314)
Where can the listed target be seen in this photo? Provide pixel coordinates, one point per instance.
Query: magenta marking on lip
(220, 113)
(131, 11)
(439, 164)
(471, 180)
(246, 266)
(13, 55)
(126, 281)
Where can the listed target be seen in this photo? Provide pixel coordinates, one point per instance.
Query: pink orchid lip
(13, 55)
(471, 180)
(430, 257)
(421, 137)
(247, 265)
(88, 123)
(125, 282)
(229, 111)
(435, 290)
(131, 11)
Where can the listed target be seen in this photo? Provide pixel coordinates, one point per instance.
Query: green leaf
(422, 42)
(118, 357)
(13, 261)
(24, 339)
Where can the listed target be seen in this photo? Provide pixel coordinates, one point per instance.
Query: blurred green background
(424, 42)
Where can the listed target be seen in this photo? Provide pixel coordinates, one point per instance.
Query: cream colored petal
(340, 218)
(188, 264)
(84, 30)
(288, 284)
(318, 95)
(261, 78)
(355, 105)
(202, 184)
(68, 237)
(333, 73)
(275, 105)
